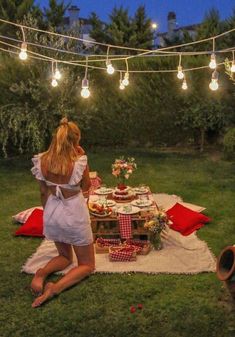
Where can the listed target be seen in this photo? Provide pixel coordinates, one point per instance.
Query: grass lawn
(173, 305)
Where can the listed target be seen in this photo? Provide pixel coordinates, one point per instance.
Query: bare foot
(37, 282)
(49, 292)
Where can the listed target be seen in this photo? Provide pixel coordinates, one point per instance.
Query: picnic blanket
(180, 255)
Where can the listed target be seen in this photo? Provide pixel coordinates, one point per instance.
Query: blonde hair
(63, 151)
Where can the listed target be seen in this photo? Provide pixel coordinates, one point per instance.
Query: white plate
(133, 210)
(140, 190)
(142, 203)
(109, 203)
(104, 191)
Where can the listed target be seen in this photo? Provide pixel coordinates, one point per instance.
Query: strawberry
(132, 309)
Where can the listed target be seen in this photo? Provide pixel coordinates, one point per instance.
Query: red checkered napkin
(95, 183)
(123, 254)
(108, 242)
(125, 227)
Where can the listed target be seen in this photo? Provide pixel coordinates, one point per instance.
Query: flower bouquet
(122, 168)
(155, 224)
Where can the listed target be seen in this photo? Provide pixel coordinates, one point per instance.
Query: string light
(23, 51)
(126, 81)
(85, 92)
(54, 82)
(121, 85)
(233, 64)
(212, 63)
(214, 85)
(180, 73)
(110, 68)
(184, 84)
(57, 73)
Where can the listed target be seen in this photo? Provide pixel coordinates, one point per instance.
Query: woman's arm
(86, 182)
(44, 192)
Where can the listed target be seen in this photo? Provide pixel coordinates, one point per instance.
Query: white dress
(66, 220)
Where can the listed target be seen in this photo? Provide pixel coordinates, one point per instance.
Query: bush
(229, 143)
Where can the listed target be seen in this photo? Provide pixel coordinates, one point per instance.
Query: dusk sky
(187, 11)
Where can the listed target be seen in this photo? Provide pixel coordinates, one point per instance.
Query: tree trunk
(202, 139)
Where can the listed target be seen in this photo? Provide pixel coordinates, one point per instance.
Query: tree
(15, 10)
(54, 13)
(142, 30)
(211, 26)
(124, 30)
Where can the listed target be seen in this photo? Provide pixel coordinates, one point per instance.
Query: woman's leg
(86, 265)
(60, 262)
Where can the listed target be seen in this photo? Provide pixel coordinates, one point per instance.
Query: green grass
(174, 305)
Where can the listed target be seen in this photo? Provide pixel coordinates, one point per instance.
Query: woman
(63, 175)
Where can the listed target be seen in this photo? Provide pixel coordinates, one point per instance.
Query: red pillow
(184, 220)
(33, 226)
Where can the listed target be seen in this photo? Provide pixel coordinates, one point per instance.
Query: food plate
(142, 203)
(140, 190)
(103, 190)
(107, 202)
(128, 210)
(101, 215)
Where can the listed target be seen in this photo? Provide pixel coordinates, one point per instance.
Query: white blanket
(180, 254)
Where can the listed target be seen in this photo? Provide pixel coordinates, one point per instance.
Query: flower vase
(121, 184)
(155, 240)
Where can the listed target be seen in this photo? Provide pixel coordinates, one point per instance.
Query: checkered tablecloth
(125, 227)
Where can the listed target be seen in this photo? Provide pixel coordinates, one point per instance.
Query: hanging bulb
(180, 73)
(214, 85)
(233, 67)
(85, 92)
(57, 74)
(121, 86)
(23, 51)
(54, 82)
(110, 68)
(212, 63)
(184, 85)
(126, 79)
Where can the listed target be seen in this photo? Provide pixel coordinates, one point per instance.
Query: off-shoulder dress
(66, 220)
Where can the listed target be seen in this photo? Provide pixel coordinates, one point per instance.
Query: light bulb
(110, 69)
(233, 67)
(85, 92)
(126, 79)
(121, 86)
(54, 82)
(214, 85)
(180, 73)
(23, 51)
(57, 74)
(184, 85)
(212, 63)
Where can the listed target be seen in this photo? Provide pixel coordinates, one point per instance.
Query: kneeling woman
(63, 176)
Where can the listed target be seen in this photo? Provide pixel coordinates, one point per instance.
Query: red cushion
(184, 220)
(33, 226)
